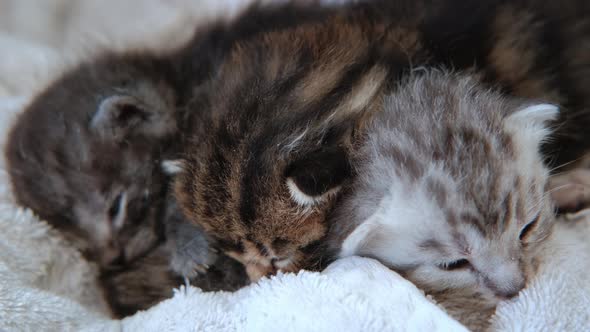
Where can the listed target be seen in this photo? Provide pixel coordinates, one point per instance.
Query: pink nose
(510, 292)
(507, 289)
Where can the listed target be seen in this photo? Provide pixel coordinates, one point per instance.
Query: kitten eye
(311, 179)
(454, 265)
(526, 230)
(116, 206)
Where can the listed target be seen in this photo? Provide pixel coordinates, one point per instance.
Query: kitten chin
(472, 310)
(149, 280)
(450, 191)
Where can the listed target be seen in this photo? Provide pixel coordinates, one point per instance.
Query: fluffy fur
(451, 190)
(286, 106)
(87, 154)
(84, 155)
(286, 93)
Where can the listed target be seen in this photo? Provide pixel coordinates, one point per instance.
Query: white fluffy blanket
(46, 286)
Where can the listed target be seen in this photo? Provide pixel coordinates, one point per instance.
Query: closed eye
(454, 265)
(117, 210)
(526, 230)
(115, 206)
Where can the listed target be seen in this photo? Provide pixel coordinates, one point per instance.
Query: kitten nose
(508, 289)
(505, 280)
(508, 294)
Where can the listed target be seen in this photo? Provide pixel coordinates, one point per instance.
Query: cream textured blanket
(46, 286)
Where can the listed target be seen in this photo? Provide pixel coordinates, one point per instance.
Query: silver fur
(449, 171)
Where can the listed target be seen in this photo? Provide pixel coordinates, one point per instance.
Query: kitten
(265, 173)
(88, 155)
(84, 155)
(451, 189)
(286, 108)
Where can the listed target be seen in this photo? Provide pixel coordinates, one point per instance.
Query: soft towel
(45, 285)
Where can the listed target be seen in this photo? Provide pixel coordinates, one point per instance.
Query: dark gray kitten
(450, 190)
(87, 155)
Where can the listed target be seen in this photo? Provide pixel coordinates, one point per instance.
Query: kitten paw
(191, 254)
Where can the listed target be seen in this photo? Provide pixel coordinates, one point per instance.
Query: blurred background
(40, 37)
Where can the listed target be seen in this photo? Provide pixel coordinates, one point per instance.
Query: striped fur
(83, 155)
(148, 281)
(274, 104)
(86, 154)
(286, 107)
(449, 172)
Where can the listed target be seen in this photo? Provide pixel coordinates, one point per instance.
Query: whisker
(561, 187)
(564, 164)
(535, 206)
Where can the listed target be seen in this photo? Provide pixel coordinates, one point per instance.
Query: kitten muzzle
(267, 268)
(256, 271)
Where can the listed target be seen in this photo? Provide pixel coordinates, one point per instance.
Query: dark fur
(93, 131)
(149, 280)
(57, 159)
(292, 85)
(284, 92)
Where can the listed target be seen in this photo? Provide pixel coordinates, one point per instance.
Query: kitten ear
(532, 121)
(528, 128)
(118, 116)
(321, 173)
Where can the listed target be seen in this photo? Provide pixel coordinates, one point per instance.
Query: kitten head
(263, 203)
(451, 188)
(275, 156)
(83, 155)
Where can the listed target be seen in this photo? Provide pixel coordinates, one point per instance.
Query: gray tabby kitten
(450, 190)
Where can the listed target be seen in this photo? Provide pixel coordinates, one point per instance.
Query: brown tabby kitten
(286, 107)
